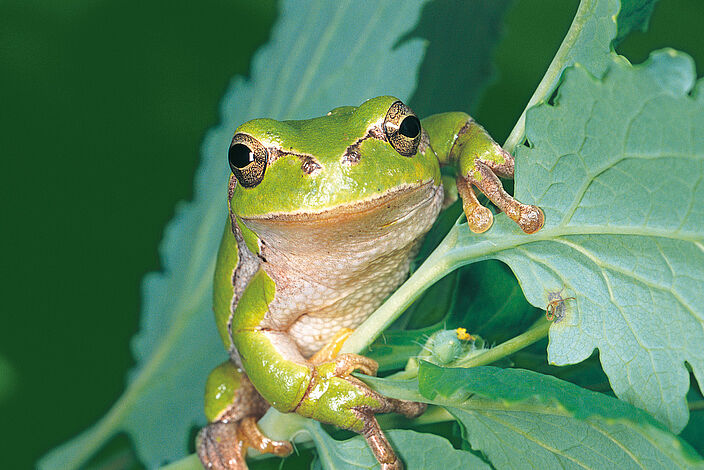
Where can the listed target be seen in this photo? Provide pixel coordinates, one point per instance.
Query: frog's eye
(402, 128)
(247, 159)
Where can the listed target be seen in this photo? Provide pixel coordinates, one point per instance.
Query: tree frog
(325, 217)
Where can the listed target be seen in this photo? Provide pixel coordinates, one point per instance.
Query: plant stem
(696, 405)
(552, 75)
(433, 269)
(538, 332)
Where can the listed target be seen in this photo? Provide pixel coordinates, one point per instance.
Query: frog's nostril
(309, 165)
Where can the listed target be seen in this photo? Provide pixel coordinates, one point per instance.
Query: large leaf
(419, 451)
(319, 58)
(522, 419)
(618, 166)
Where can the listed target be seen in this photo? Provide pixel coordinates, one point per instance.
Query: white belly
(333, 269)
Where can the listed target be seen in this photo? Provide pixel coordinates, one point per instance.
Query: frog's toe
(220, 448)
(379, 445)
(531, 218)
(479, 219)
(409, 409)
(252, 437)
(221, 445)
(346, 363)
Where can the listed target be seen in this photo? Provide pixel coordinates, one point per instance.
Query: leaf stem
(538, 332)
(433, 269)
(552, 75)
(696, 405)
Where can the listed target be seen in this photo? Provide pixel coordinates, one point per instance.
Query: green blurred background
(103, 108)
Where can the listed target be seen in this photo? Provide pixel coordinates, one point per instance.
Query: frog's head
(349, 156)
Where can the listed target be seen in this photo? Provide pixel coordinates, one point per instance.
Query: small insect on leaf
(556, 308)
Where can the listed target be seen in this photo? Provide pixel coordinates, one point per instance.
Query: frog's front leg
(459, 140)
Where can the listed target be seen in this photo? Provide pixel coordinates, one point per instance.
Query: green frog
(325, 217)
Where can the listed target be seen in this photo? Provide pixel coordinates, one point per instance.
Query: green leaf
(617, 167)
(318, 59)
(522, 419)
(587, 374)
(417, 450)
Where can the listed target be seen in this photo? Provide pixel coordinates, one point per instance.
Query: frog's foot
(530, 218)
(335, 397)
(222, 445)
(233, 406)
(220, 448)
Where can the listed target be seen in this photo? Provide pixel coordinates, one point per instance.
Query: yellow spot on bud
(463, 335)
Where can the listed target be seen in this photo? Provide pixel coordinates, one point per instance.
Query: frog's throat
(402, 202)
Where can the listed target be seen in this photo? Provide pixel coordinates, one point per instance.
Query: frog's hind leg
(336, 397)
(372, 432)
(233, 406)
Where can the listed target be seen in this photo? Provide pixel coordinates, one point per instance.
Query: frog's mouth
(386, 222)
(363, 229)
(384, 210)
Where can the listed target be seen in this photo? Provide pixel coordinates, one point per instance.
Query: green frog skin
(325, 216)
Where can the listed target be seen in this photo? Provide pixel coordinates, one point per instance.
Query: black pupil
(410, 127)
(240, 156)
